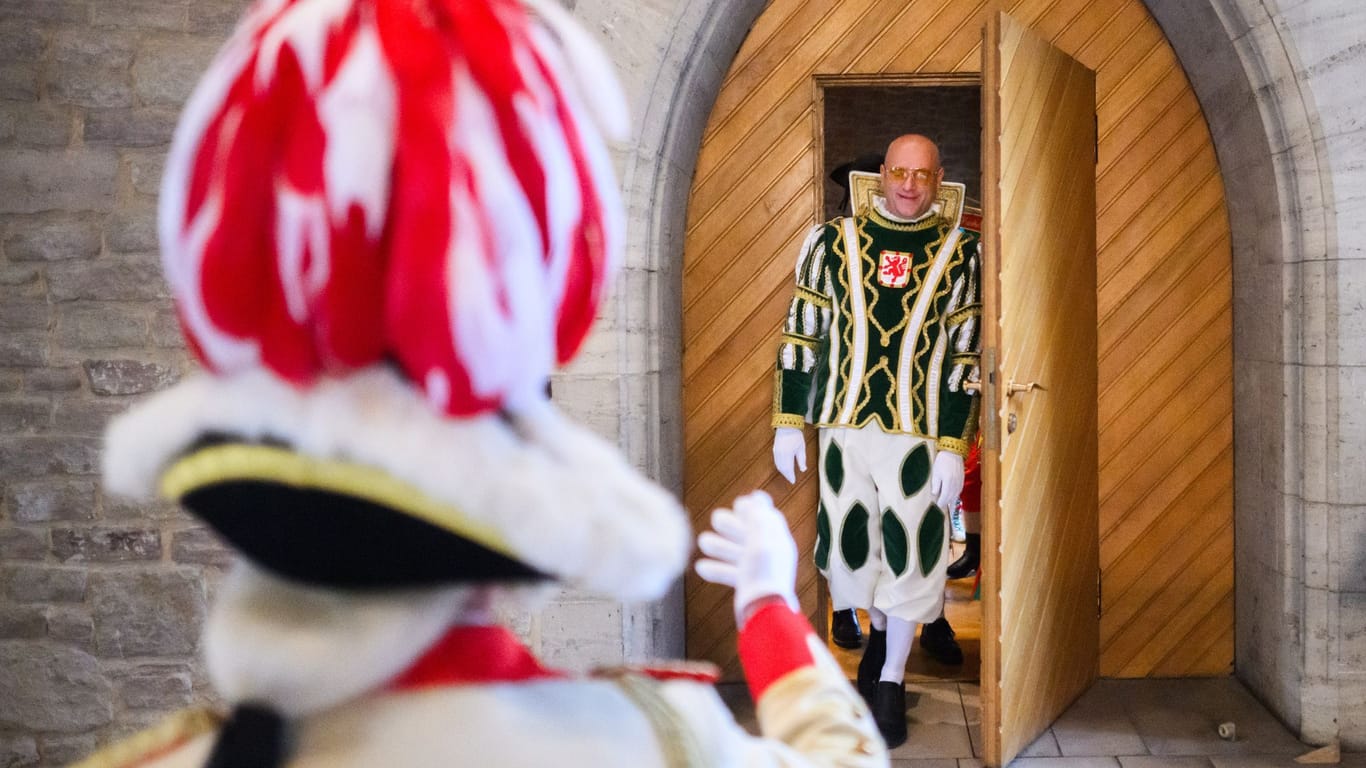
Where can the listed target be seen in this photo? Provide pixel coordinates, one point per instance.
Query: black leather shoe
(870, 666)
(889, 712)
(936, 639)
(967, 563)
(844, 629)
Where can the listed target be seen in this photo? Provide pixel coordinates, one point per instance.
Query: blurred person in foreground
(384, 223)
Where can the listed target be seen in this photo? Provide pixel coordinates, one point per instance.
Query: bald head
(914, 142)
(911, 175)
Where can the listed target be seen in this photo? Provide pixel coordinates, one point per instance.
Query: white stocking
(900, 633)
(877, 619)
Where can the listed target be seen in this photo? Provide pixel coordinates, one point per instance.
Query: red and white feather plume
(377, 209)
(441, 197)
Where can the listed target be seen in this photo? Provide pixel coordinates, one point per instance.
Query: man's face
(910, 177)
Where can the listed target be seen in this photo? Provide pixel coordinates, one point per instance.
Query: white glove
(789, 445)
(752, 551)
(946, 479)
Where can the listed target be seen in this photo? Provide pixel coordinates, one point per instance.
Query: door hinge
(1099, 601)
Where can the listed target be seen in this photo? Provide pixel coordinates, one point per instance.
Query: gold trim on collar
(263, 463)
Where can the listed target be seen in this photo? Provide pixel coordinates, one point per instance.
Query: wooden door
(1040, 647)
(1164, 299)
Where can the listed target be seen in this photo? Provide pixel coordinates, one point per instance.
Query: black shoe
(889, 712)
(936, 639)
(967, 563)
(844, 629)
(870, 666)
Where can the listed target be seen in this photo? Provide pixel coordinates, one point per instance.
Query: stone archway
(1279, 194)
(1266, 130)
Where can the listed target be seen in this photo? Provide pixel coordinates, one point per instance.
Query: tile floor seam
(963, 707)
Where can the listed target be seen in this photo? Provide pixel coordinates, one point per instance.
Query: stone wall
(1306, 64)
(1280, 86)
(100, 601)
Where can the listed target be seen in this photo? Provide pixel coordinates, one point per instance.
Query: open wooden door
(1040, 645)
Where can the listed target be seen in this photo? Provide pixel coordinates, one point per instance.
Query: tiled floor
(1116, 724)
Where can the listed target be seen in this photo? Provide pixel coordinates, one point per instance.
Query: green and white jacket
(883, 326)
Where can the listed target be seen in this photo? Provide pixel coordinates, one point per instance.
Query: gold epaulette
(144, 746)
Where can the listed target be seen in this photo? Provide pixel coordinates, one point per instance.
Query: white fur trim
(303, 649)
(561, 497)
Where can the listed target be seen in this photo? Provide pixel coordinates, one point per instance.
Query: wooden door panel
(783, 221)
(778, 172)
(1041, 646)
(1145, 284)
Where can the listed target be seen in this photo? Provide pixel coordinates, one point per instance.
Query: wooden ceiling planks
(1164, 298)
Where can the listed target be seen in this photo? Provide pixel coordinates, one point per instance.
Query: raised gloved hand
(946, 479)
(789, 446)
(751, 550)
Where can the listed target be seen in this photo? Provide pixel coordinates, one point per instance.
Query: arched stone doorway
(1275, 196)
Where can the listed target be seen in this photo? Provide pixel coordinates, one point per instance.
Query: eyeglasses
(920, 175)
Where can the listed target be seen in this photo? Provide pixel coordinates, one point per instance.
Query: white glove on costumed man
(789, 446)
(946, 479)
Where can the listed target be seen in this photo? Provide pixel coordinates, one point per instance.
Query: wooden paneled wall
(1164, 297)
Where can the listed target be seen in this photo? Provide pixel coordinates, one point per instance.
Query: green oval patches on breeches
(930, 538)
(834, 468)
(876, 542)
(822, 538)
(895, 543)
(854, 544)
(915, 470)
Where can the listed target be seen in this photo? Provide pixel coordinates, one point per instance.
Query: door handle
(1014, 389)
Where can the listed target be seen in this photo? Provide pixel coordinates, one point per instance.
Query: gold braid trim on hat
(236, 462)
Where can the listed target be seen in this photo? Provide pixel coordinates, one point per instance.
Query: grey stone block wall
(1280, 85)
(100, 600)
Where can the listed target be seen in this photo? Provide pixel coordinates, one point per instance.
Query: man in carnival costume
(880, 337)
(384, 222)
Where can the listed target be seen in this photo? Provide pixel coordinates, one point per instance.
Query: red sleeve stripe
(773, 643)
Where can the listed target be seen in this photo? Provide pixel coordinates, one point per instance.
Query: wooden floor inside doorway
(965, 616)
